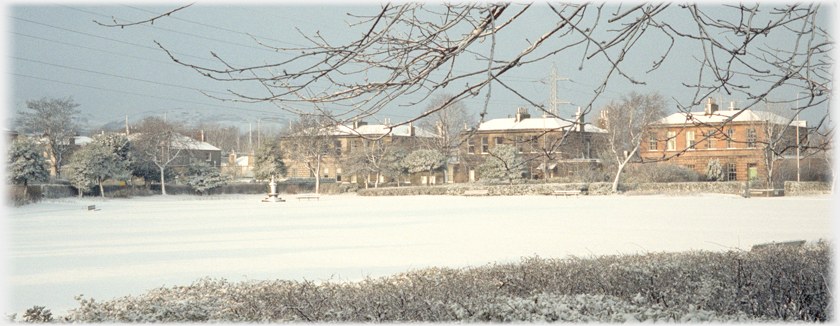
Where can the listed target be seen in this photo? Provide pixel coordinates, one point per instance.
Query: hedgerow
(771, 284)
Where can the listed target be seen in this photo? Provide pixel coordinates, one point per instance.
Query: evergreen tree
(106, 157)
(502, 163)
(714, 170)
(424, 160)
(268, 161)
(26, 163)
(393, 163)
(202, 177)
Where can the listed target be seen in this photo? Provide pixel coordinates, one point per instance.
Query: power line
(93, 49)
(117, 76)
(216, 27)
(144, 95)
(176, 32)
(105, 38)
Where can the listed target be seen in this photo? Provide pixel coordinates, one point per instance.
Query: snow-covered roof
(185, 142)
(379, 130)
(241, 161)
(82, 140)
(542, 123)
(720, 116)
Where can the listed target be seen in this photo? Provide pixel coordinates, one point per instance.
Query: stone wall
(592, 189)
(793, 188)
(728, 187)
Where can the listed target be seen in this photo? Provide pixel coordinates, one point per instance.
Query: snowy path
(58, 249)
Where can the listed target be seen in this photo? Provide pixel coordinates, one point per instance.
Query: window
(209, 157)
(652, 141)
(500, 140)
(689, 139)
(751, 138)
(690, 167)
(337, 145)
(518, 141)
(731, 174)
(672, 141)
(710, 142)
(484, 146)
(470, 146)
(534, 145)
(729, 135)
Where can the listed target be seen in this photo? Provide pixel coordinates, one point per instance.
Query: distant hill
(193, 117)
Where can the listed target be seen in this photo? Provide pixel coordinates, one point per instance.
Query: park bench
(566, 192)
(309, 197)
(92, 208)
(483, 192)
(766, 192)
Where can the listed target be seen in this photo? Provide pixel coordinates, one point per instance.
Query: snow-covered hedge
(773, 284)
(793, 188)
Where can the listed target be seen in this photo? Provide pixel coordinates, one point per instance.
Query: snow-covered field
(58, 249)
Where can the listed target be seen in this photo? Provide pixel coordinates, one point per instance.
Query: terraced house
(749, 146)
(550, 146)
(341, 142)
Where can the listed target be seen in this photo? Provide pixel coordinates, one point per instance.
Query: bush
(773, 284)
(659, 173)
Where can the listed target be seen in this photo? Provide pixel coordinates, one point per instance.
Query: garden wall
(793, 188)
(595, 188)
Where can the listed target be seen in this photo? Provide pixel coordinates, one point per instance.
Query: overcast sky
(57, 50)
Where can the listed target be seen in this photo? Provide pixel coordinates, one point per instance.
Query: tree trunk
(318, 178)
(162, 183)
(25, 190)
(376, 183)
(618, 175)
(429, 179)
(101, 188)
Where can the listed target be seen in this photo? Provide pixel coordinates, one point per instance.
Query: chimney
(411, 129)
(580, 118)
(711, 107)
(521, 114)
(358, 123)
(202, 135)
(732, 106)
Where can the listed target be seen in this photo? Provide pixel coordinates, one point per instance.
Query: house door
(752, 172)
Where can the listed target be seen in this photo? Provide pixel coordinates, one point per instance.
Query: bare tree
(772, 133)
(309, 142)
(627, 122)
(54, 122)
(157, 142)
(413, 49)
(448, 124)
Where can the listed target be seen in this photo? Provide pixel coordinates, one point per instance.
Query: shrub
(659, 173)
(773, 284)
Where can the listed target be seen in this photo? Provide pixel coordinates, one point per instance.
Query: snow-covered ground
(58, 249)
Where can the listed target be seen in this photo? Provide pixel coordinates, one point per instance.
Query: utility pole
(126, 125)
(554, 100)
(554, 106)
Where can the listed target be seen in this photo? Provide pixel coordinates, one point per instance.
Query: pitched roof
(379, 130)
(720, 116)
(542, 123)
(185, 142)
